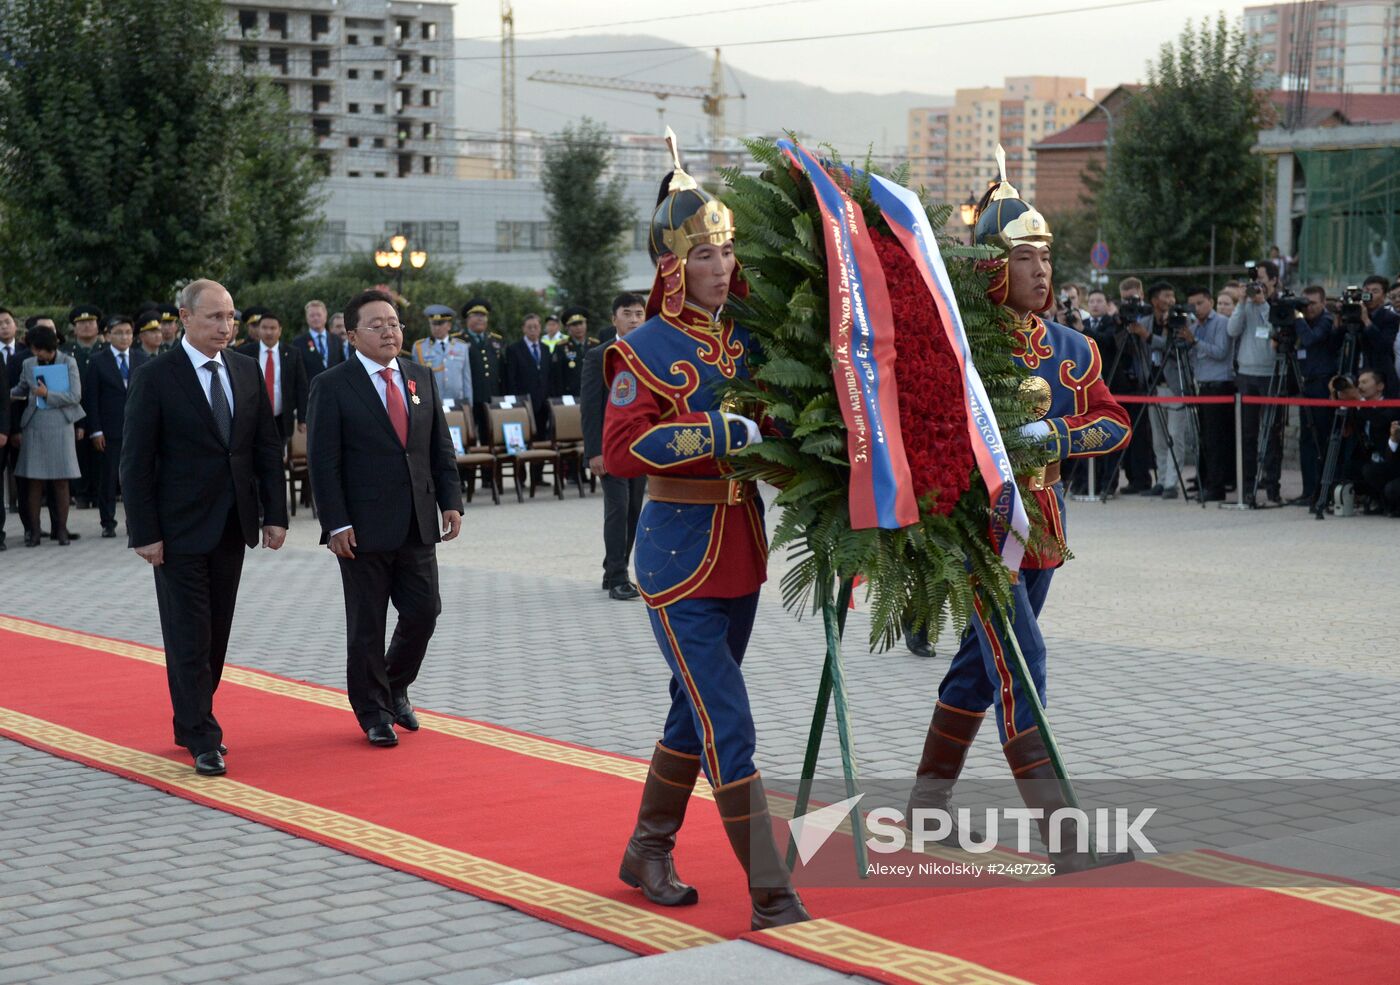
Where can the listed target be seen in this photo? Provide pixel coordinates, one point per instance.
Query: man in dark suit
(12, 357)
(319, 348)
(105, 388)
(382, 466)
(527, 373)
(201, 457)
(283, 373)
(622, 498)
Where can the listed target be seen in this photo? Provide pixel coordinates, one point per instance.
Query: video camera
(1353, 300)
(1284, 312)
(1133, 309)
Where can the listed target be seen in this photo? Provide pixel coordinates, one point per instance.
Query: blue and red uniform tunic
(699, 565)
(1083, 420)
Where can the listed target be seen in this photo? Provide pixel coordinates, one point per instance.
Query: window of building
(381, 174)
(379, 108)
(321, 127)
(405, 165)
(429, 30)
(320, 24)
(429, 130)
(379, 40)
(517, 237)
(401, 97)
(403, 30)
(331, 238)
(429, 64)
(320, 62)
(427, 164)
(379, 75)
(277, 23)
(440, 237)
(248, 23)
(352, 174)
(352, 142)
(323, 164)
(430, 97)
(378, 142)
(277, 58)
(353, 73)
(402, 66)
(352, 107)
(249, 54)
(284, 89)
(320, 96)
(352, 39)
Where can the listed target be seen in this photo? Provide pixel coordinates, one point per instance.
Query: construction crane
(508, 122)
(712, 97)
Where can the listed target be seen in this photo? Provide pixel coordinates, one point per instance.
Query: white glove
(1035, 430)
(755, 436)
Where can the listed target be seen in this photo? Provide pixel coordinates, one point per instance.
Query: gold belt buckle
(735, 494)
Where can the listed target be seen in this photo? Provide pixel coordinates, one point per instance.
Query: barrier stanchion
(1239, 503)
(1093, 494)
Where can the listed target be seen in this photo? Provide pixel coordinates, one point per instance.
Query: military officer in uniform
(566, 375)
(701, 550)
(169, 327)
(487, 358)
(147, 327)
(84, 321)
(447, 353)
(1078, 418)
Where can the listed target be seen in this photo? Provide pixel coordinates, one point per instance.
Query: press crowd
(1254, 338)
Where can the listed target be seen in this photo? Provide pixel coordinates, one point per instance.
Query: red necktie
(393, 403)
(270, 377)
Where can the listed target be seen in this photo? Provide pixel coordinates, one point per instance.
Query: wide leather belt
(711, 492)
(1044, 478)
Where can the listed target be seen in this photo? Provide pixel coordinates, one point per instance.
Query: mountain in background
(851, 121)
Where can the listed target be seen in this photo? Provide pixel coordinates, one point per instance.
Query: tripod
(1175, 355)
(1346, 365)
(1110, 485)
(1285, 373)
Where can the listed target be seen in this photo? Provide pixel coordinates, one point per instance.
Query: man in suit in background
(622, 498)
(201, 458)
(527, 373)
(105, 387)
(283, 373)
(319, 348)
(382, 466)
(12, 357)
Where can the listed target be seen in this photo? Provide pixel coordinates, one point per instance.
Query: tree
(1180, 161)
(132, 160)
(589, 218)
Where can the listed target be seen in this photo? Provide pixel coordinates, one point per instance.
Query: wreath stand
(832, 688)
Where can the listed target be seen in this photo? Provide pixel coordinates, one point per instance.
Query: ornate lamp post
(968, 211)
(393, 259)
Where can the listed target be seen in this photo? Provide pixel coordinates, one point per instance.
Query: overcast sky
(1107, 46)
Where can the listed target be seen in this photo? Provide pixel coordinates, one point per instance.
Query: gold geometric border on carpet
(653, 930)
(855, 947)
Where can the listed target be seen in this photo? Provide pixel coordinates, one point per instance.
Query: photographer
(1163, 327)
(1250, 326)
(1378, 337)
(1213, 360)
(1123, 347)
(1319, 340)
(1067, 310)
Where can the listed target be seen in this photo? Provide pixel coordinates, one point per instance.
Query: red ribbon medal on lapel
(413, 392)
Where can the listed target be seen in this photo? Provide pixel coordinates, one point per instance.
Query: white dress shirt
(374, 370)
(199, 359)
(264, 354)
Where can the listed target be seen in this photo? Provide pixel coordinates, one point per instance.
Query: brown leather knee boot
(743, 807)
(647, 864)
(950, 736)
(1040, 787)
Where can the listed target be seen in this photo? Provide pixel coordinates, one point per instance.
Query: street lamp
(968, 211)
(392, 259)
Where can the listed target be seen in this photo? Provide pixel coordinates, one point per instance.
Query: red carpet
(539, 825)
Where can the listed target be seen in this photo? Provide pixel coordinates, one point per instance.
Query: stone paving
(1184, 642)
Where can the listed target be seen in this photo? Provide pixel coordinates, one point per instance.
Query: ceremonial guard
(701, 550)
(552, 336)
(448, 355)
(488, 351)
(566, 376)
(169, 327)
(1078, 418)
(84, 321)
(148, 338)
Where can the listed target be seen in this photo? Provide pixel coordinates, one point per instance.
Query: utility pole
(508, 122)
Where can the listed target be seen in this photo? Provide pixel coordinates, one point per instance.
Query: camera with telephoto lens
(1284, 312)
(1133, 309)
(1353, 300)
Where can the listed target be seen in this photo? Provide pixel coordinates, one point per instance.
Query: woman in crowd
(48, 455)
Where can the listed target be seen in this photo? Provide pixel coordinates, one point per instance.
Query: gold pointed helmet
(1005, 220)
(686, 215)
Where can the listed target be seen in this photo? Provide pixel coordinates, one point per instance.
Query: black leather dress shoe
(623, 591)
(210, 763)
(109, 532)
(383, 735)
(404, 716)
(223, 749)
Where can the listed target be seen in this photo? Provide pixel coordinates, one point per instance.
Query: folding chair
(518, 462)
(473, 458)
(568, 437)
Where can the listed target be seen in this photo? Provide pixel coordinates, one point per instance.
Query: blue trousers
(703, 641)
(980, 675)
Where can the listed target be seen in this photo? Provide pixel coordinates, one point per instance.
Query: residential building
(1337, 45)
(372, 78)
(928, 149)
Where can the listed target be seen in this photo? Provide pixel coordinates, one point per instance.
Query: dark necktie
(321, 347)
(121, 365)
(218, 403)
(535, 354)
